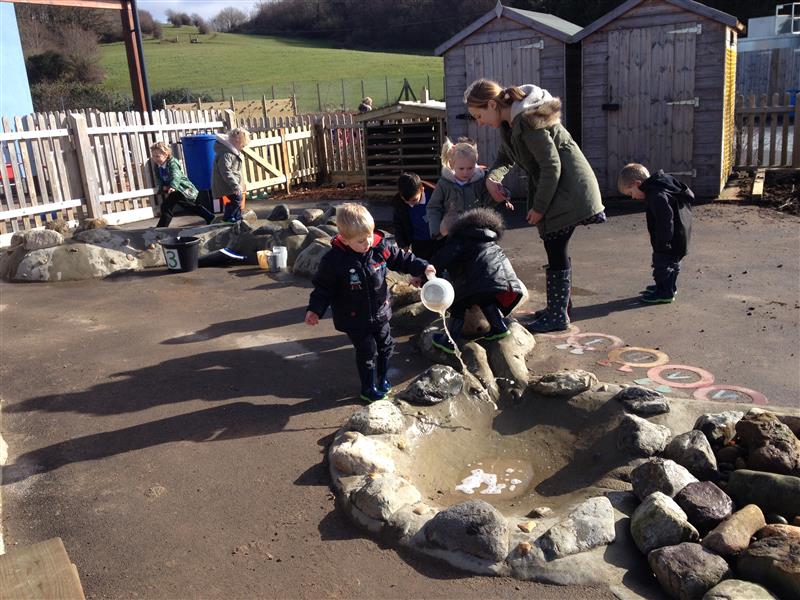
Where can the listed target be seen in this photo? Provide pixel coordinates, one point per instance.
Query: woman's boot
(555, 317)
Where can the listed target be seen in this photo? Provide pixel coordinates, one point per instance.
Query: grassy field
(249, 66)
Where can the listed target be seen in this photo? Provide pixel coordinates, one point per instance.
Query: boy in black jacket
(480, 272)
(351, 279)
(410, 216)
(669, 221)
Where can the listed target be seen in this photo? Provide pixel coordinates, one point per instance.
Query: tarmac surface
(171, 428)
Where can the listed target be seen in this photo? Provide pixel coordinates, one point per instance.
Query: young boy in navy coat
(351, 279)
(668, 203)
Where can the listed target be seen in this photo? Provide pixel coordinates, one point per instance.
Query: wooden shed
(513, 47)
(659, 89)
(407, 136)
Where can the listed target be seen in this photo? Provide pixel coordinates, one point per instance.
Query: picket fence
(87, 164)
(767, 132)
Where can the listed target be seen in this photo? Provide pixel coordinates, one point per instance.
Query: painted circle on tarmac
(571, 330)
(595, 342)
(681, 376)
(729, 393)
(634, 356)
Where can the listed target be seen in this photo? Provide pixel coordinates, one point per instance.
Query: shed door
(651, 74)
(509, 63)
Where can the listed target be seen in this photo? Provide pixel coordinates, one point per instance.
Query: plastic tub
(181, 253)
(264, 259)
(282, 257)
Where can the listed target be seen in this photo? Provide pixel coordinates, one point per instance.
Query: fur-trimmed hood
(225, 145)
(538, 107)
(450, 175)
(485, 222)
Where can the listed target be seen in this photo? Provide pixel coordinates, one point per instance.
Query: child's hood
(450, 175)
(662, 182)
(481, 223)
(539, 108)
(223, 144)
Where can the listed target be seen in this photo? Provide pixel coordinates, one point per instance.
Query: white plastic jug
(437, 294)
(282, 257)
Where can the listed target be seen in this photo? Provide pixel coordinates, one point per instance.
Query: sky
(204, 8)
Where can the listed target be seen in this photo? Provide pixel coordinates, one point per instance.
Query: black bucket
(181, 253)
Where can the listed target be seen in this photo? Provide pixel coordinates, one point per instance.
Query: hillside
(250, 65)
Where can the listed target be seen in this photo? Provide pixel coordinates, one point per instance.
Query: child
(480, 272)
(410, 215)
(351, 278)
(366, 105)
(175, 185)
(226, 177)
(461, 186)
(669, 221)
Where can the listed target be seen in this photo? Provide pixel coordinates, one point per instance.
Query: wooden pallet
(39, 571)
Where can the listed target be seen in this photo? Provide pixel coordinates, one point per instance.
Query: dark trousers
(425, 249)
(176, 198)
(233, 209)
(557, 249)
(665, 272)
(486, 302)
(372, 346)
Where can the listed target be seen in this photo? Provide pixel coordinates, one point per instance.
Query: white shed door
(651, 74)
(509, 63)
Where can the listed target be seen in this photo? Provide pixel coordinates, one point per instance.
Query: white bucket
(282, 257)
(437, 294)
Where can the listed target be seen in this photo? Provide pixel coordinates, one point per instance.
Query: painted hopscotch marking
(680, 376)
(729, 393)
(634, 356)
(594, 342)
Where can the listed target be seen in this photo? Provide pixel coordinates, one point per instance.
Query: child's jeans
(666, 268)
(233, 209)
(371, 345)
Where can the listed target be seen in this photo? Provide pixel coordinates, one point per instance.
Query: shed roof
(432, 109)
(688, 5)
(545, 23)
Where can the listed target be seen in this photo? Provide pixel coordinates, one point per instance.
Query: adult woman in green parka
(562, 188)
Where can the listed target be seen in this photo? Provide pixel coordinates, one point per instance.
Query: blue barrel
(198, 152)
(793, 97)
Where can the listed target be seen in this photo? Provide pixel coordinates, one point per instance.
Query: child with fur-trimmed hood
(461, 186)
(480, 272)
(562, 188)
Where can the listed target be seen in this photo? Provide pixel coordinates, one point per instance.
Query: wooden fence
(86, 164)
(767, 131)
(281, 107)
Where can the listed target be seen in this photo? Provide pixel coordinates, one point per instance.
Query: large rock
(704, 504)
(314, 233)
(692, 450)
(589, 525)
(402, 292)
(412, 318)
(297, 227)
(281, 212)
(436, 384)
(719, 428)
(355, 454)
(773, 493)
(774, 562)
(474, 527)
(658, 522)
(564, 383)
(733, 535)
(687, 571)
(507, 359)
(771, 445)
(660, 475)
(312, 216)
(641, 437)
(384, 494)
(377, 418)
(642, 401)
(37, 239)
(782, 529)
(736, 589)
(307, 261)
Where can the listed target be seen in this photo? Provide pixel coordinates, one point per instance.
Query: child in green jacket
(175, 185)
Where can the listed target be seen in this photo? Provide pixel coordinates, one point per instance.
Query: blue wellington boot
(383, 386)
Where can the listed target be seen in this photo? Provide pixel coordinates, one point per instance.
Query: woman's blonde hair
(239, 132)
(481, 91)
(353, 220)
(463, 147)
(162, 148)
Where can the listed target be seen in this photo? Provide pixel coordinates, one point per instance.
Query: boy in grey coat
(226, 177)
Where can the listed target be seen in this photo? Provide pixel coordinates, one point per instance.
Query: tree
(83, 53)
(47, 67)
(229, 19)
(146, 22)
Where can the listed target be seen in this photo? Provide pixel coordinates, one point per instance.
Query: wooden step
(39, 571)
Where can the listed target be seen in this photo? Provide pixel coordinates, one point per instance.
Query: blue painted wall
(15, 93)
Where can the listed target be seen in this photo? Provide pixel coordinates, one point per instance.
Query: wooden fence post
(319, 142)
(229, 118)
(287, 167)
(796, 134)
(88, 169)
